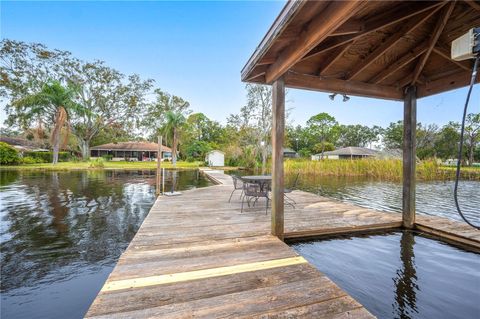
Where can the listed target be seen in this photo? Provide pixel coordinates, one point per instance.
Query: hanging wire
(460, 148)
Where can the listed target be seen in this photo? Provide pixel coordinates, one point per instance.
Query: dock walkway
(197, 256)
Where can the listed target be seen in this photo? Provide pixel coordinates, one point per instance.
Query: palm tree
(173, 125)
(54, 101)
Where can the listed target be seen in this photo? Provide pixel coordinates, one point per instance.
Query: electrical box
(467, 46)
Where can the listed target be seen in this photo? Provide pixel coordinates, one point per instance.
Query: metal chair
(290, 189)
(254, 191)
(237, 185)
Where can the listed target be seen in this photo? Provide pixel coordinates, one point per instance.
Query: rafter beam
(455, 81)
(437, 31)
(321, 26)
(349, 27)
(332, 58)
(474, 4)
(378, 23)
(400, 63)
(318, 83)
(390, 42)
(446, 55)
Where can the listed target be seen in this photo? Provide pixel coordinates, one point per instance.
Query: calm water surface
(432, 198)
(401, 275)
(61, 234)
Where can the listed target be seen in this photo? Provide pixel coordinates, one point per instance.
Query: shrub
(8, 154)
(47, 157)
(107, 157)
(31, 160)
(97, 163)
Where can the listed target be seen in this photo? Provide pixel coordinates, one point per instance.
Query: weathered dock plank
(196, 255)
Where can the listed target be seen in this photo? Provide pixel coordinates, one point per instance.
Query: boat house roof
(365, 48)
(131, 146)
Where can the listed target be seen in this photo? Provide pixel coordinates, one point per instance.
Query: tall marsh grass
(374, 169)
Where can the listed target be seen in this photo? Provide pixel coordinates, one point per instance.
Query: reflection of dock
(197, 256)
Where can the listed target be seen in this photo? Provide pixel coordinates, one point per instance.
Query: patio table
(262, 180)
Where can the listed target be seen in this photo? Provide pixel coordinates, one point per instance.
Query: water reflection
(401, 275)
(432, 198)
(406, 280)
(62, 232)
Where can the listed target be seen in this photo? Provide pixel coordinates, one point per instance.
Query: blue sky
(195, 50)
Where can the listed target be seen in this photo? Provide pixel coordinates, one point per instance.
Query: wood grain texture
(197, 256)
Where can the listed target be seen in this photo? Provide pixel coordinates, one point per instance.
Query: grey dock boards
(196, 255)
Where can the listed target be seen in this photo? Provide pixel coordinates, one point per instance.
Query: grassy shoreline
(369, 168)
(376, 169)
(107, 165)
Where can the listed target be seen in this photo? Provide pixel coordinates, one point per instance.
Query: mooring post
(159, 163)
(409, 156)
(278, 126)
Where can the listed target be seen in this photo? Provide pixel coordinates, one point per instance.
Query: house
(350, 152)
(130, 151)
(287, 152)
(215, 158)
(22, 145)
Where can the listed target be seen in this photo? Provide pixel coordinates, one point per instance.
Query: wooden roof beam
(349, 27)
(400, 63)
(446, 55)
(375, 24)
(390, 42)
(318, 83)
(332, 58)
(321, 26)
(474, 4)
(458, 80)
(437, 31)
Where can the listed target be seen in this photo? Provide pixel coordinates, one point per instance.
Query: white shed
(215, 158)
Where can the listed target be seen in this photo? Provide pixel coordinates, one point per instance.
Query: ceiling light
(332, 96)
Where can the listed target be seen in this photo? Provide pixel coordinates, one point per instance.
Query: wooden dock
(197, 256)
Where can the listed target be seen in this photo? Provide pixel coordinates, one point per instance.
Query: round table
(262, 180)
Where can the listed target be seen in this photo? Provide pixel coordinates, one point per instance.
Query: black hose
(460, 148)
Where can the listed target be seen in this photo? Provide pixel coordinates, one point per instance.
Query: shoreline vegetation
(388, 170)
(81, 165)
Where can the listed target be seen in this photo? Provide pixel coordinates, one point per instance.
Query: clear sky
(195, 50)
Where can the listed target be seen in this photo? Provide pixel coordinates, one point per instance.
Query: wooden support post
(159, 163)
(278, 126)
(409, 156)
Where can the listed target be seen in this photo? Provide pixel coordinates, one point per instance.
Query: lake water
(432, 197)
(401, 274)
(61, 234)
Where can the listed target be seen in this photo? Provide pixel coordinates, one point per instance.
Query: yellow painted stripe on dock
(200, 274)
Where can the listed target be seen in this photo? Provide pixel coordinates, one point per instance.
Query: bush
(31, 160)
(107, 157)
(97, 163)
(47, 157)
(8, 154)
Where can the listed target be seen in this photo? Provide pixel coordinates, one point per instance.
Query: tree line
(67, 103)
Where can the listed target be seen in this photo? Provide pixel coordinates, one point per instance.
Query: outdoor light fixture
(332, 96)
(345, 98)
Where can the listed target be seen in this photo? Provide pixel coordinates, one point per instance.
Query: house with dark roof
(350, 152)
(22, 144)
(130, 151)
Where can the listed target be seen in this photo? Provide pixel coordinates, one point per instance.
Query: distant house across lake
(22, 145)
(130, 151)
(354, 153)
